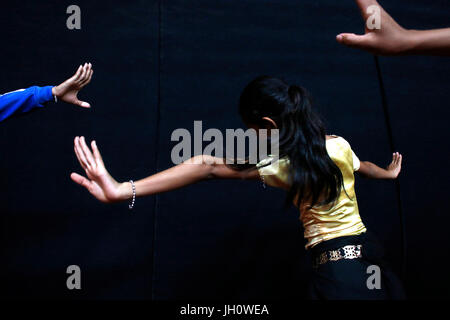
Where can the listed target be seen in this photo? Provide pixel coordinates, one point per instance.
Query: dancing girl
(315, 169)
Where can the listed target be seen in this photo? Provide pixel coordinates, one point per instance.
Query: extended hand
(390, 39)
(68, 90)
(396, 165)
(98, 182)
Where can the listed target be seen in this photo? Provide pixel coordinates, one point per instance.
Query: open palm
(98, 182)
(396, 165)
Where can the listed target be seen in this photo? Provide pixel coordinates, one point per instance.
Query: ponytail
(314, 177)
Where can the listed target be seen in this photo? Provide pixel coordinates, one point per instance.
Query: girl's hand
(396, 165)
(98, 182)
(68, 90)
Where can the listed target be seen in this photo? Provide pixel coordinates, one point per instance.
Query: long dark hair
(314, 177)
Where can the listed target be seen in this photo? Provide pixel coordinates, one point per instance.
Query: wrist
(55, 91)
(391, 175)
(125, 191)
(412, 41)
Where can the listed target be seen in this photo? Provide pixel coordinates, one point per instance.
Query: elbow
(206, 166)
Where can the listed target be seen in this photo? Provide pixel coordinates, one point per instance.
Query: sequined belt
(347, 252)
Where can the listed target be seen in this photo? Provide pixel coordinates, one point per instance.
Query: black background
(160, 65)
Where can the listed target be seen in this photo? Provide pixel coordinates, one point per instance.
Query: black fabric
(160, 65)
(347, 278)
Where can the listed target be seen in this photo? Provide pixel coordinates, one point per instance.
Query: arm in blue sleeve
(24, 100)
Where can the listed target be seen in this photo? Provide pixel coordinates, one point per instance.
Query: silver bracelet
(56, 99)
(263, 181)
(134, 195)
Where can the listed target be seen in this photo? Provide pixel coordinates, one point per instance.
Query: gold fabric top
(327, 221)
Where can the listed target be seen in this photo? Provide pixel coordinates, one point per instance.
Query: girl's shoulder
(334, 138)
(337, 140)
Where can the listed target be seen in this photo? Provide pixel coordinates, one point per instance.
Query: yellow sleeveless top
(328, 221)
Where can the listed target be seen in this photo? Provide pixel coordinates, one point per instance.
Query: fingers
(364, 4)
(85, 74)
(88, 76)
(77, 74)
(355, 41)
(400, 160)
(395, 166)
(87, 152)
(397, 158)
(87, 159)
(79, 158)
(394, 158)
(80, 154)
(82, 104)
(84, 154)
(97, 155)
(82, 181)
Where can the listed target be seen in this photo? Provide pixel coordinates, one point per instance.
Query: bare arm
(372, 171)
(196, 169)
(106, 189)
(393, 39)
(432, 42)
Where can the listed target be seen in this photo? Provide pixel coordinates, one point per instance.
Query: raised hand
(395, 166)
(98, 182)
(68, 90)
(390, 39)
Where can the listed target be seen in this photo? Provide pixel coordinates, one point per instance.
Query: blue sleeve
(24, 100)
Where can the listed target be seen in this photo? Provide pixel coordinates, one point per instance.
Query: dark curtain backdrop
(161, 65)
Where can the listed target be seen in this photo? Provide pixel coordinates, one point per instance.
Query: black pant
(347, 278)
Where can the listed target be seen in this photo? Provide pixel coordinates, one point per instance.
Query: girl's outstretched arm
(106, 189)
(370, 170)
